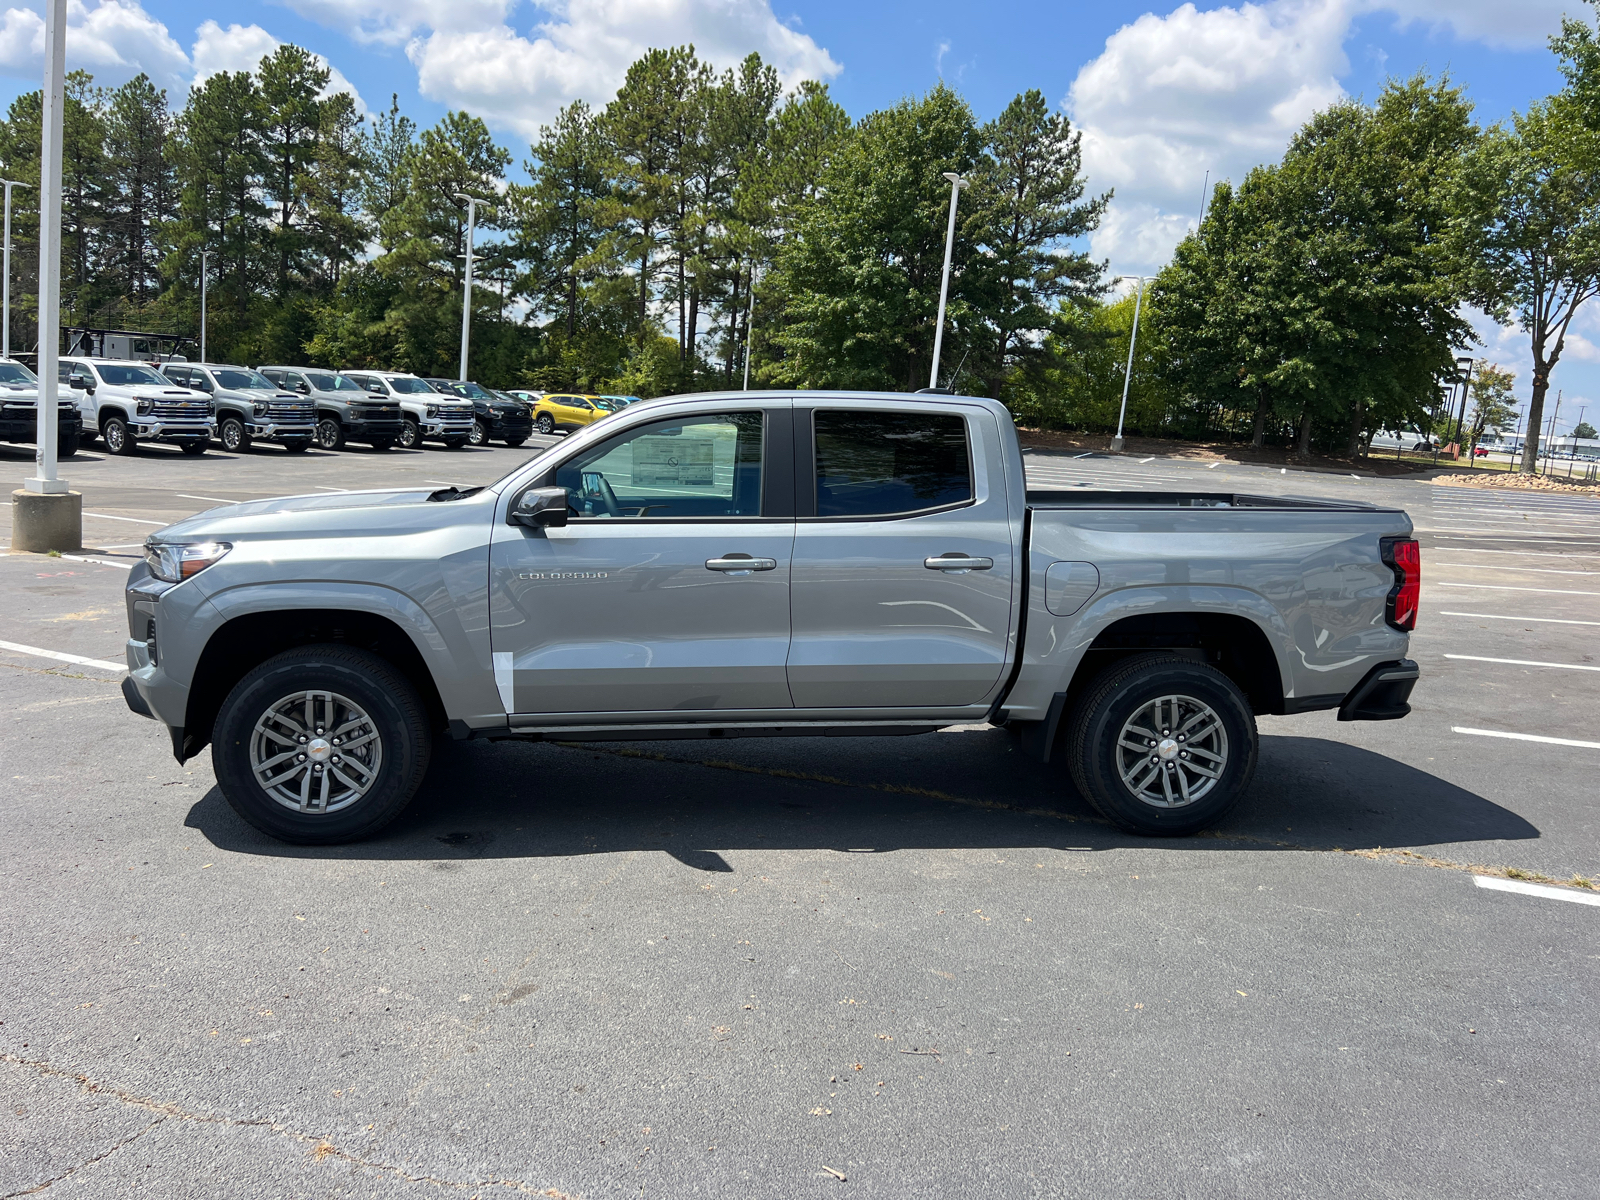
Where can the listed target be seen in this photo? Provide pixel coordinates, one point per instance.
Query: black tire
(382, 443)
(195, 449)
(231, 433)
(390, 706)
(297, 446)
(410, 435)
(545, 424)
(479, 435)
(515, 442)
(68, 446)
(454, 443)
(119, 439)
(1096, 754)
(329, 434)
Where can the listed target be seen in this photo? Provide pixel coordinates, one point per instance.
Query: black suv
(493, 417)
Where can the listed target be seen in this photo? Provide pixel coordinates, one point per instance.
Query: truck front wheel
(233, 436)
(329, 434)
(320, 745)
(118, 439)
(1162, 746)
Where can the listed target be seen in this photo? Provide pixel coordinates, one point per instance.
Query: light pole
(45, 515)
(466, 295)
(1127, 376)
(5, 291)
(203, 255)
(749, 323)
(956, 184)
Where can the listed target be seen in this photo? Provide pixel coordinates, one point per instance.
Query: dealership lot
(747, 970)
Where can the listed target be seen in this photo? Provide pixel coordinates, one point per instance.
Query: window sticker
(684, 461)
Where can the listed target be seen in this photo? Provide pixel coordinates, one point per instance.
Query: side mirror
(540, 508)
(303, 388)
(78, 383)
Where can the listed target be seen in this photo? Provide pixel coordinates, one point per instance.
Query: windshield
(118, 375)
(410, 385)
(242, 380)
(16, 373)
(343, 383)
(472, 391)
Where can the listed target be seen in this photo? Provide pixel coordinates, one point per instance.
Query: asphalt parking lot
(875, 967)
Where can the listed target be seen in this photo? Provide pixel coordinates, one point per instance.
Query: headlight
(142, 408)
(431, 411)
(174, 562)
(260, 410)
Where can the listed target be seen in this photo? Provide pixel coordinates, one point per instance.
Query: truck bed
(1088, 498)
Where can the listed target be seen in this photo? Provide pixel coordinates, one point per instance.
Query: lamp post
(5, 291)
(749, 323)
(466, 294)
(1127, 376)
(956, 184)
(45, 515)
(203, 255)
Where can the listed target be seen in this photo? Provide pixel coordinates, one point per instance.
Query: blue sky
(1163, 93)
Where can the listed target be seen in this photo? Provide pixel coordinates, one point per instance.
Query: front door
(903, 562)
(668, 590)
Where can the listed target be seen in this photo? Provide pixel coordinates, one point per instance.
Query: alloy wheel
(1172, 751)
(315, 752)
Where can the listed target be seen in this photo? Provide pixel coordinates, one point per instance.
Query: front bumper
(446, 429)
(281, 431)
(147, 430)
(25, 429)
(360, 430)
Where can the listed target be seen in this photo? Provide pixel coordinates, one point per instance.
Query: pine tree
(140, 194)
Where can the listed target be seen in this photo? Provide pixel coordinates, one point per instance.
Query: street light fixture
(472, 203)
(956, 184)
(5, 291)
(1127, 376)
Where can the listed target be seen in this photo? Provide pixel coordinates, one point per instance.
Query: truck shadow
(692, 800)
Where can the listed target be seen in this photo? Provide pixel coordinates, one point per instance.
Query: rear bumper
(1383, 694)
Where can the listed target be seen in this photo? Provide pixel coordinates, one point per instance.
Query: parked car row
(191, 405)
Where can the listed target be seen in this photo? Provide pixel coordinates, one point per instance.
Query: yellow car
(566, 411)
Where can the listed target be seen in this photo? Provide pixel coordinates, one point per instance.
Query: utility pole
(203, 255)
(956, 184)
(1203, 198)
(749, 323)
(1127, 376)
(466, 294)
(5, 301)
(45, 514)
(1549, 437)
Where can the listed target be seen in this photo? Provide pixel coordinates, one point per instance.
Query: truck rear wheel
(320, 745)
(1162, 746)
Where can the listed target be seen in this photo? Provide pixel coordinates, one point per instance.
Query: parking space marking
(1499, 617)
(130, 520)
(1522, 662)
(1508, 587)
(1524, 737)
(1214, 466)
(1517, 553)
(1523, 570)
(75, 659)
(324, 488)
(1496, 884)
(213, 499)
(99, 562)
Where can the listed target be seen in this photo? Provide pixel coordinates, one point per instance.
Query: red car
(1480, 451)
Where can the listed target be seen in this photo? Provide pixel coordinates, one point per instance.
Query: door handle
(740, 564)
(958, 564)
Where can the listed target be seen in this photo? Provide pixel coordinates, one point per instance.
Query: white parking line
(213, 499)
(1523, 570)
(1152, 458)
(1499, 617)
(1522, 662)
(322, 488)
(1517, 553)
(1524, 737)
(76, 659)
(1572, 896)
(99, 562)
(1213, 466)
(1506, 587)
(130, 520)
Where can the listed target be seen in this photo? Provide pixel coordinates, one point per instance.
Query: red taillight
(1404, 557)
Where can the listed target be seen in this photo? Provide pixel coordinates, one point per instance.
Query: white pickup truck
(126, 403)
(764, 565)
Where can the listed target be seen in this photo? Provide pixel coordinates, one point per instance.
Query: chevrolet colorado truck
(764, 565)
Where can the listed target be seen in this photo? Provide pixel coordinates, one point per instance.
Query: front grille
(181, 410)
(376, 412)
(289, 412)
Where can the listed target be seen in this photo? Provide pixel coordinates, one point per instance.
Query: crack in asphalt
(320, 1147)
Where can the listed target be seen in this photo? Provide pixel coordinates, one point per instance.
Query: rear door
(901, 591)
(668, 590)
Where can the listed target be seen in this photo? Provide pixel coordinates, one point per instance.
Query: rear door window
(884, 464)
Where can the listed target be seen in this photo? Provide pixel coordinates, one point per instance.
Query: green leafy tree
(290, 80)
(1489, 394)
(558, 213)
(140, 193)
(1583, 430)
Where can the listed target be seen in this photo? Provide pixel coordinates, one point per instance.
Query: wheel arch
(247, 640)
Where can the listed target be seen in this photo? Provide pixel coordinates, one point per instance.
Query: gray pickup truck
(764, 565)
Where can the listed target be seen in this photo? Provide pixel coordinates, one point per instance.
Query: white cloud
(1517, 24)
(1173, 97)
(468, 54)
(115, 39)
(242, 47)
